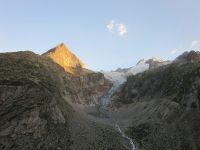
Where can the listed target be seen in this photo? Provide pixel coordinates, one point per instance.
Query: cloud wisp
(110, 25)
(118, 28)
(122, 30)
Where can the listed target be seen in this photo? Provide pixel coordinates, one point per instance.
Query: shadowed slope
(32, 112)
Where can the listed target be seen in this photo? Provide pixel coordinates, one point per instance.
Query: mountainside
(163, 105)
(33, 113)
(37, 108)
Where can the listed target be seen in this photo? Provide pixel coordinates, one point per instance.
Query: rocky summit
(52, 101)
(65, 58)
(191, 56)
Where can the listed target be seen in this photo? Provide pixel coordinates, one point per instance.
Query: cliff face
(86, 88)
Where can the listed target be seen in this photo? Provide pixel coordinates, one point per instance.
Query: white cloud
(195, 45)
(173, 52)
(118, 28)
(110, 26)
(121, 28)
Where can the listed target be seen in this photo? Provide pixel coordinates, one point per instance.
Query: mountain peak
(152, 62)
(57, 48)
(191, 56)
(156, 59)
(64, 57)
(147, 61)
(61, 45)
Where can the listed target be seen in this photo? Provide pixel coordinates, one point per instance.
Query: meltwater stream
(125, 136)
(104, 102)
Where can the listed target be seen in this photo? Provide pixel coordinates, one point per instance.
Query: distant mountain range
(121, 74)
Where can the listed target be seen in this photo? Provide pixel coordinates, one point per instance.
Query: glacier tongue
(118, 77)
(105, 100)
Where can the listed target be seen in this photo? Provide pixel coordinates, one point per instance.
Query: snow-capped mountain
(120, 75)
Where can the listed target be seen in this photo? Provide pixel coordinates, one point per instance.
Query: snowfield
(119, 77)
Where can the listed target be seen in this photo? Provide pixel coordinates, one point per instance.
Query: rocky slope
(163, 105)
(192, 56)
(33, 114)
(37, 109)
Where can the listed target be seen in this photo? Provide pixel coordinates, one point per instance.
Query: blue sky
(105, 34)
